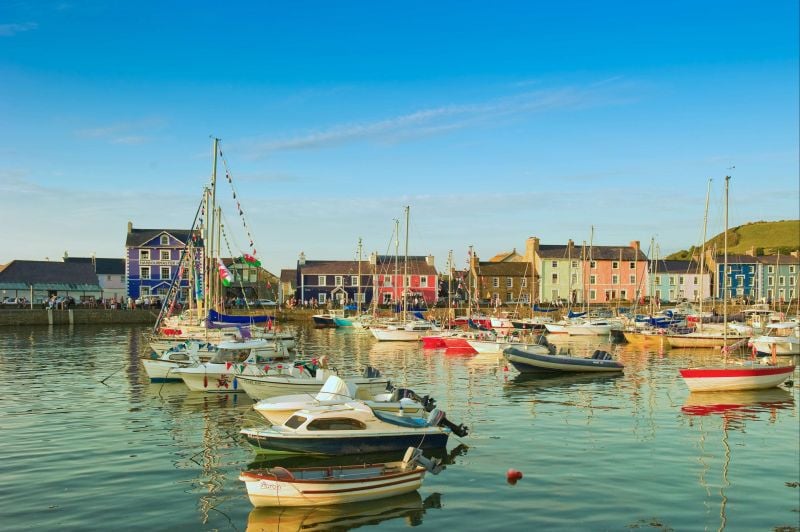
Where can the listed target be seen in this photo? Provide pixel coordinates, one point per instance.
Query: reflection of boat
(410, 506)
(750, 375)
(352, 428)
(540, 358)
(318, 486)
(743, 402)
(525, 383)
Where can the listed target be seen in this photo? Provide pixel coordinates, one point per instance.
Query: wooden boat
(750, 375)
(335, 391)
(319, 486)
(352, 428)
(539, 358)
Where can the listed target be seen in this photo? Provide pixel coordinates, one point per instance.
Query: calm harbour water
(635, 451)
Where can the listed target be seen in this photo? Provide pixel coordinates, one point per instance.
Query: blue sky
(493, 121)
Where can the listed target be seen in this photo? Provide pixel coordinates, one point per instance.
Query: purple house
(153, 259)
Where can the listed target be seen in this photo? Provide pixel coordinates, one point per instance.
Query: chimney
(531, 248)
(130, 227)
(66, 256)
(635, 245)
(429, 260)
(301, 260)
(373, 259)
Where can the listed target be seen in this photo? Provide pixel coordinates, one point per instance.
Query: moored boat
(539, 358)
(303, 379)
(783, 337)
(750, 375)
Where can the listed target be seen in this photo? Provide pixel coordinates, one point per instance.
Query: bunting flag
(251, 260)
(198, 289)
(224, 273)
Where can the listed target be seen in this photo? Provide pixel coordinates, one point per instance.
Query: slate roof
(677, 266)
(103, 266)
(779, 260)
(558, 251)
(561, 251)
(507, 269)
(138, 237)
(736, 259)
(334, 267)
(507, 256)
(288, 276)
(55, 275)
(417, 265)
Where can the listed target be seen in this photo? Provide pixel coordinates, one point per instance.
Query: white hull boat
(409, 332)
(748, 376)
(784, 336)
(703, 340)
(297, 380)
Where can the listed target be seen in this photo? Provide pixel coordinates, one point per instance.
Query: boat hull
(263, 387)
(265, 442)
(267, 492)
(735, 378)
(702, 341)
(214, 381)
(783, 346)
(161, 370)
(525, 360)
(432, 342)
(397, 335)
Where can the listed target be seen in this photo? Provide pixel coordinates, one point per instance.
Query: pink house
(615, 273)
(422, 282)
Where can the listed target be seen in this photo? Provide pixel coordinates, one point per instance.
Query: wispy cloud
(9, 30)
(131, 133)
(438, 120)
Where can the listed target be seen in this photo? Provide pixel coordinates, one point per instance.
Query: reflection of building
(153, 258)
(110, 275)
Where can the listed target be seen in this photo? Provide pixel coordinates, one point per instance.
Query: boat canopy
(214, 316)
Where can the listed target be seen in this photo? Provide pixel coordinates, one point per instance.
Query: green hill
(767, 238)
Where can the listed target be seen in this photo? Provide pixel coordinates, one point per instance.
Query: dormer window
(164, 240)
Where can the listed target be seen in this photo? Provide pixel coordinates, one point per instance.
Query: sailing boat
(750, 375)
(406, 330)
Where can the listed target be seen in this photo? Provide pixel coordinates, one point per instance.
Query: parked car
(264, 303)
(14, 302)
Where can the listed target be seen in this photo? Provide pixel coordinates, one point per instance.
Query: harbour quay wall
(25, 317)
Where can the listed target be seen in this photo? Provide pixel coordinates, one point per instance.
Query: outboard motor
(414, 456)
(371, 373)
(429, 403)
(438, 418)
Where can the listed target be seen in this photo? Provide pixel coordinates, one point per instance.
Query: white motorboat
(336, 391)
(352, 428)
(318, 486)
(499, 344)
(590, 328)
(408, 332)
(783, 337)
(303, 379)
(161, 368)
(219, 373)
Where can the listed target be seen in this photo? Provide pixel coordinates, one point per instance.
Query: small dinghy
(315, 486)
(540, 358)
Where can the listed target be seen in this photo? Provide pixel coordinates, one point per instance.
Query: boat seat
(282, 473)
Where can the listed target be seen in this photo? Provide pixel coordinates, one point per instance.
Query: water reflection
(734, 409)
(410, 506)
(527, 384)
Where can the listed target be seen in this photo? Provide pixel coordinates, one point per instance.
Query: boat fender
(512, 476)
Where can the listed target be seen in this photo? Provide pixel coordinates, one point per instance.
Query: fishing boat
(738, 375)
(352, 428)
(540, 358)
(219, 373)
(335, 391)
(320, 486)
(306, 378)
(782, 337)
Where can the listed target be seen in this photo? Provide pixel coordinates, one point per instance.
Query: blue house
(740, 277)
(153, 258)
(336, 281)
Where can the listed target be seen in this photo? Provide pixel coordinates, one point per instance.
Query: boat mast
(725, 276)
(396, 254)
(405, 269)
(358, 293)
(449, 286)
(703, 251)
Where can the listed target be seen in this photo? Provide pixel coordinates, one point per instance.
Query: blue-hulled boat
(352, 428)
(538, 358)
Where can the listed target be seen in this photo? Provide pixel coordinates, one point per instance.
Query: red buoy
(512, 476)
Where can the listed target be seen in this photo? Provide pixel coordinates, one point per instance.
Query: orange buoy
(512, 476)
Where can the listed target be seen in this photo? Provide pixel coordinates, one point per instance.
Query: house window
(770, 281)
(592, 295)
(592, 265)
(574, 279)
(574, 263)
(554, 264)
(387, 281)
(615, 279)
(495, 282)
(509, 282)
(164, 240)
(554, 278)
(108, 277)
(672, 280)
(632, 266)
(354, 280)
(510, 297)
(165, 272)
(658, 295)
(321, 280)
(162, 291)
(791, 269)
(680, 279)
(361, 298)
(694, 280)
(321, 298)
(614, 265)
(524, 282)
(144, 291)
(632, 279)
(407, 280)
(694, 294)
(338, 280)
(769, 295)
(623, 294)
(658, 279)
(781, 280)
(144, 272)
(791, 281)
(554, 295)
(770, 269)
(164, 254)
(144, 254)
(592, 280)
(423, 281)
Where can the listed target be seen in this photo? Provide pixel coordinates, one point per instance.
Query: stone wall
(76, 317)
